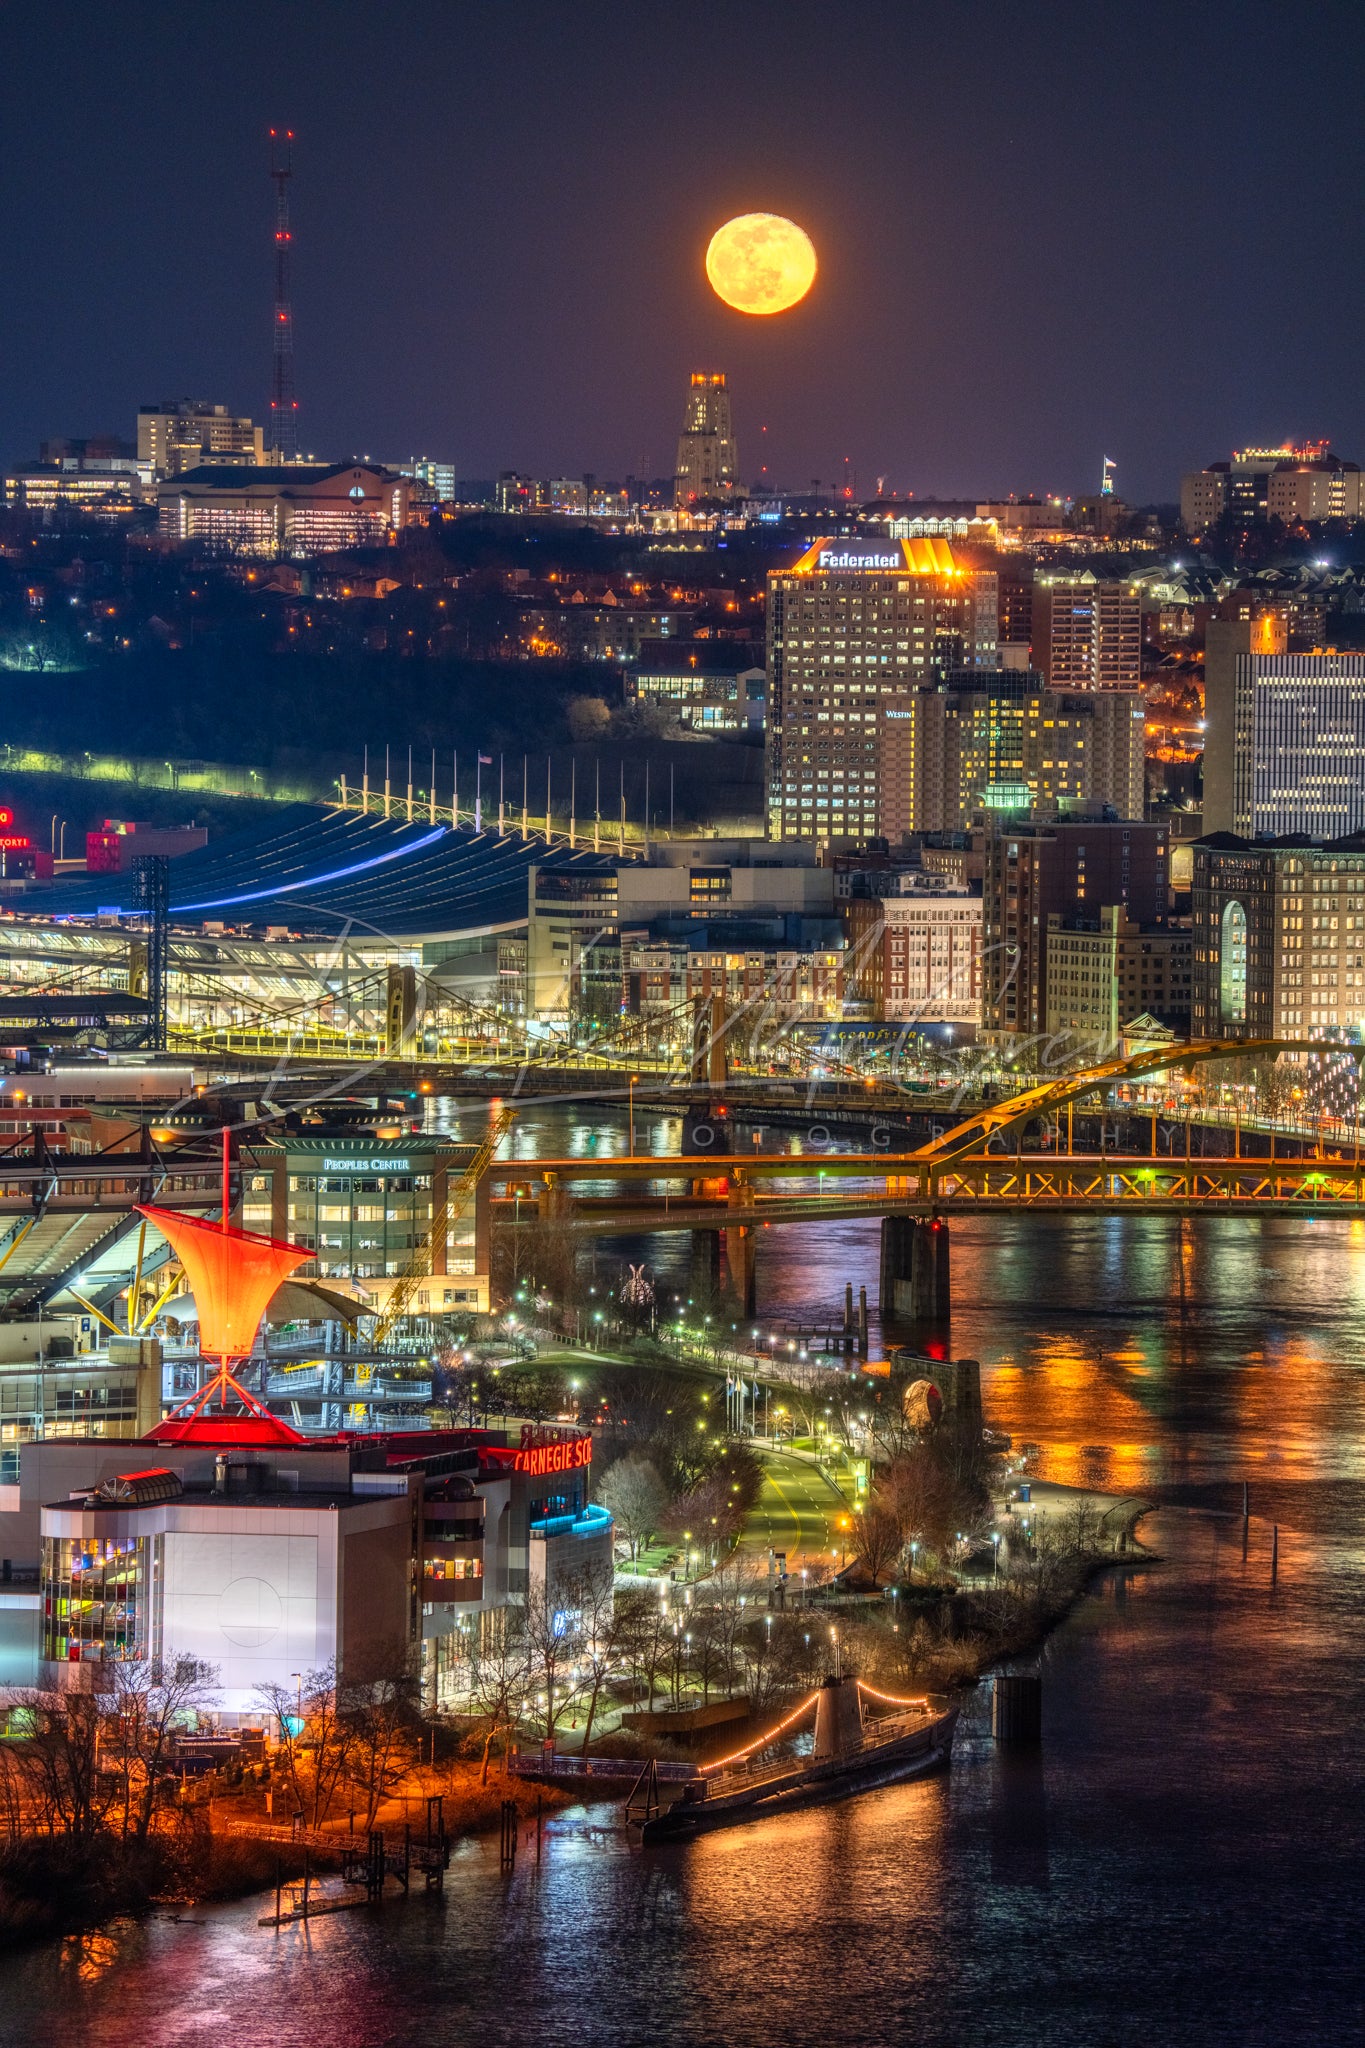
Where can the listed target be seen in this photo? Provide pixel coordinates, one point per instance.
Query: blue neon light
(316, 881)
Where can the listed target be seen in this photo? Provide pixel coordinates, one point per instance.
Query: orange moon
(760, 263)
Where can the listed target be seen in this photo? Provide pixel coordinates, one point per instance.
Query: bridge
(725, 1195)
(68, 1221)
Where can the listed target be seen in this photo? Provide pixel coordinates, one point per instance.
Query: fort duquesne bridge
(87, 1202)
(970, 1168)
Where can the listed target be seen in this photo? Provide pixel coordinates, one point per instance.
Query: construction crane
(419, 1266)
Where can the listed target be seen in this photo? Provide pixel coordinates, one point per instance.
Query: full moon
(760, 263)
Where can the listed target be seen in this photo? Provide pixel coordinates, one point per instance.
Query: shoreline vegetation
(945, 1637)
(53, 1885)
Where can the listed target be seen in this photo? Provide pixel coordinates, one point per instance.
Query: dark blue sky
(1047, 232)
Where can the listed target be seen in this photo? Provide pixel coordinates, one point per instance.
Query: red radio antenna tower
(283, 439)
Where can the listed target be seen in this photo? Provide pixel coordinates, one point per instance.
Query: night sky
(1048, 233)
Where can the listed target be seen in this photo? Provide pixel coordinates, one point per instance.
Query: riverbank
(938, 1634)
(947, 1634)
(52, 1885)
(937, 1637)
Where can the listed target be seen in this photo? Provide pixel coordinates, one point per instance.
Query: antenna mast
(284, 424)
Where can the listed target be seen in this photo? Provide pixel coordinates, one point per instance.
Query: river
(1182, 1864)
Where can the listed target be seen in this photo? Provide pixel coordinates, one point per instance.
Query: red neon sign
(570, 1455)
(13, 842)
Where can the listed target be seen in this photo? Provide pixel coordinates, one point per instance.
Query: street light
(633, 1079)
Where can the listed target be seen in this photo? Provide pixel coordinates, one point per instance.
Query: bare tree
(553, 1636)
(705, 1638)
(58, 1761)
(917, 1493)
(152, 1698)
(315, 1737)
(782, 1657)
(501, 1673)
(602, 1637)
(380, 1712)
(729, 1594)
(647, 1636)
(876, 1540)
(808, 1403)
(637, 1499)
(285, 1708)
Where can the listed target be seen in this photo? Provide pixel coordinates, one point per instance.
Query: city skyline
(1000, 303)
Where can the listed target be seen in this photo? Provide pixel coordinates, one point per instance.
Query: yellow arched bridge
(972, 1167)
(968, 1166)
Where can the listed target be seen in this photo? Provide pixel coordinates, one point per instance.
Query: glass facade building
(95, 1603)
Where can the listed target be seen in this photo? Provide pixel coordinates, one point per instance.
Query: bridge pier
(959, 1382)
(741, 1268)
(705, 1281)
(895, 1262)
(915, 1270)
(741, 1244)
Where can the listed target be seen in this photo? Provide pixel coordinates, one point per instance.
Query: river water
(1182, 1864)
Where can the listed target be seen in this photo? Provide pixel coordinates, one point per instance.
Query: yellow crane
(419, 1266)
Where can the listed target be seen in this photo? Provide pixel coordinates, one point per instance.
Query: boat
(856, 1749)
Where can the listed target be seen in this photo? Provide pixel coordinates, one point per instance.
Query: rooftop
(930, 556)
(314, 870)
(238, 476)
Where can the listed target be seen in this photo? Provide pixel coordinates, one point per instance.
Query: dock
(367, 1865)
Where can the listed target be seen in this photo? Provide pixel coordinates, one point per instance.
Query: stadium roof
(316, 871)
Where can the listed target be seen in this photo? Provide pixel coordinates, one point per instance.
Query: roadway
(798, 1511)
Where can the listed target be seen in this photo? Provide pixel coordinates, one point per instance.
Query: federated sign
(858, 558)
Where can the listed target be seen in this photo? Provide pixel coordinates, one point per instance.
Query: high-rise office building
(854, 629)
(1087, 634)
(1070, 869)
(708, 465)
(1314, 488)
(1105, 972)
(1249, 631)
(1278, 937)
(186, 433)
(1285, 735)
(438, 476)
(1203, 497)
(1005, 742)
